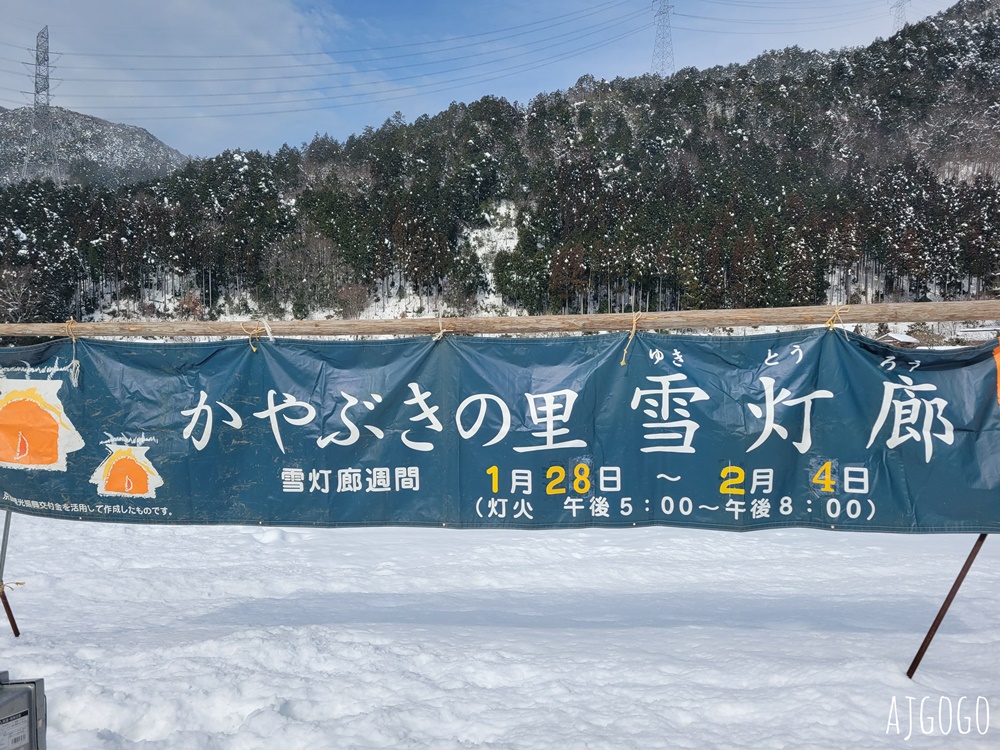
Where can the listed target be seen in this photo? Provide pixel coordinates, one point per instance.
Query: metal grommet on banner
(835, 319)
(74, 363)
(635, 322)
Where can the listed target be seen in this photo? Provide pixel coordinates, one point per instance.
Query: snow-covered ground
(203, 638)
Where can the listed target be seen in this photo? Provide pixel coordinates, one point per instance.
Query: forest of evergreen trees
(864, 175)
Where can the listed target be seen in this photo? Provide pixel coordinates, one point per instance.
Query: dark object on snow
(22, 713)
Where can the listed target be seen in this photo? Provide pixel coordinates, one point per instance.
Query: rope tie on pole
(835, 319)
(440, 334)
(254, 333)
(635, 322)
(74, 364)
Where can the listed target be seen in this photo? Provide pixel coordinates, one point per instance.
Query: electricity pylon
(663, 50)
(898, 9)
(40, 133)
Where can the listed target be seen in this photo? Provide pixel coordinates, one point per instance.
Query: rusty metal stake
(10, 615)
(3, 559)
(944, 607)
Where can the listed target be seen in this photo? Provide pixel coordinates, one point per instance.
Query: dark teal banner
(819, 428)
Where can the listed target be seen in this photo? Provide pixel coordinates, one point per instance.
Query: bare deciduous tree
(21, 297)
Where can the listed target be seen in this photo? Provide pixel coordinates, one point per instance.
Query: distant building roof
(899, 339)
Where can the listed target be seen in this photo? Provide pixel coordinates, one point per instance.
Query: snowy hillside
(89, 149)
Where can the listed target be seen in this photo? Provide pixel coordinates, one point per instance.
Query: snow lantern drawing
(35, 432)
(126, 472)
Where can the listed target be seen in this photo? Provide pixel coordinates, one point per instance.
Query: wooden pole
(681, 320)
(944, 607)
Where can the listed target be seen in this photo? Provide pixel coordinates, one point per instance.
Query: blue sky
(204, 76)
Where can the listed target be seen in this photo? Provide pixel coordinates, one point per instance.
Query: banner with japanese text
(815, 428)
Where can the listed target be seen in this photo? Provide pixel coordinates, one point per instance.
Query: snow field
(208, 638)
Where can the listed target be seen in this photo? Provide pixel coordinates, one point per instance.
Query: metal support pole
(3, 560)
(3, 543)
(944, 607)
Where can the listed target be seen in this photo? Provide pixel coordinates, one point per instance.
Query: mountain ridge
(89, 149)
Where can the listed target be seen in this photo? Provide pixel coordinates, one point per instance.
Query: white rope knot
(270, 336)
(74, 363)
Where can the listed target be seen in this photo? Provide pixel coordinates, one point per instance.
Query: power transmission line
(430, 56)
(781, 21)
(572, 40)
(439, 44)
(530, 50)
(324, 88)
(546, 43)
(396, 94)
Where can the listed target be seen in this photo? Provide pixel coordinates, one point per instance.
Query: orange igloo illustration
(126, 472)
(35, 432)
